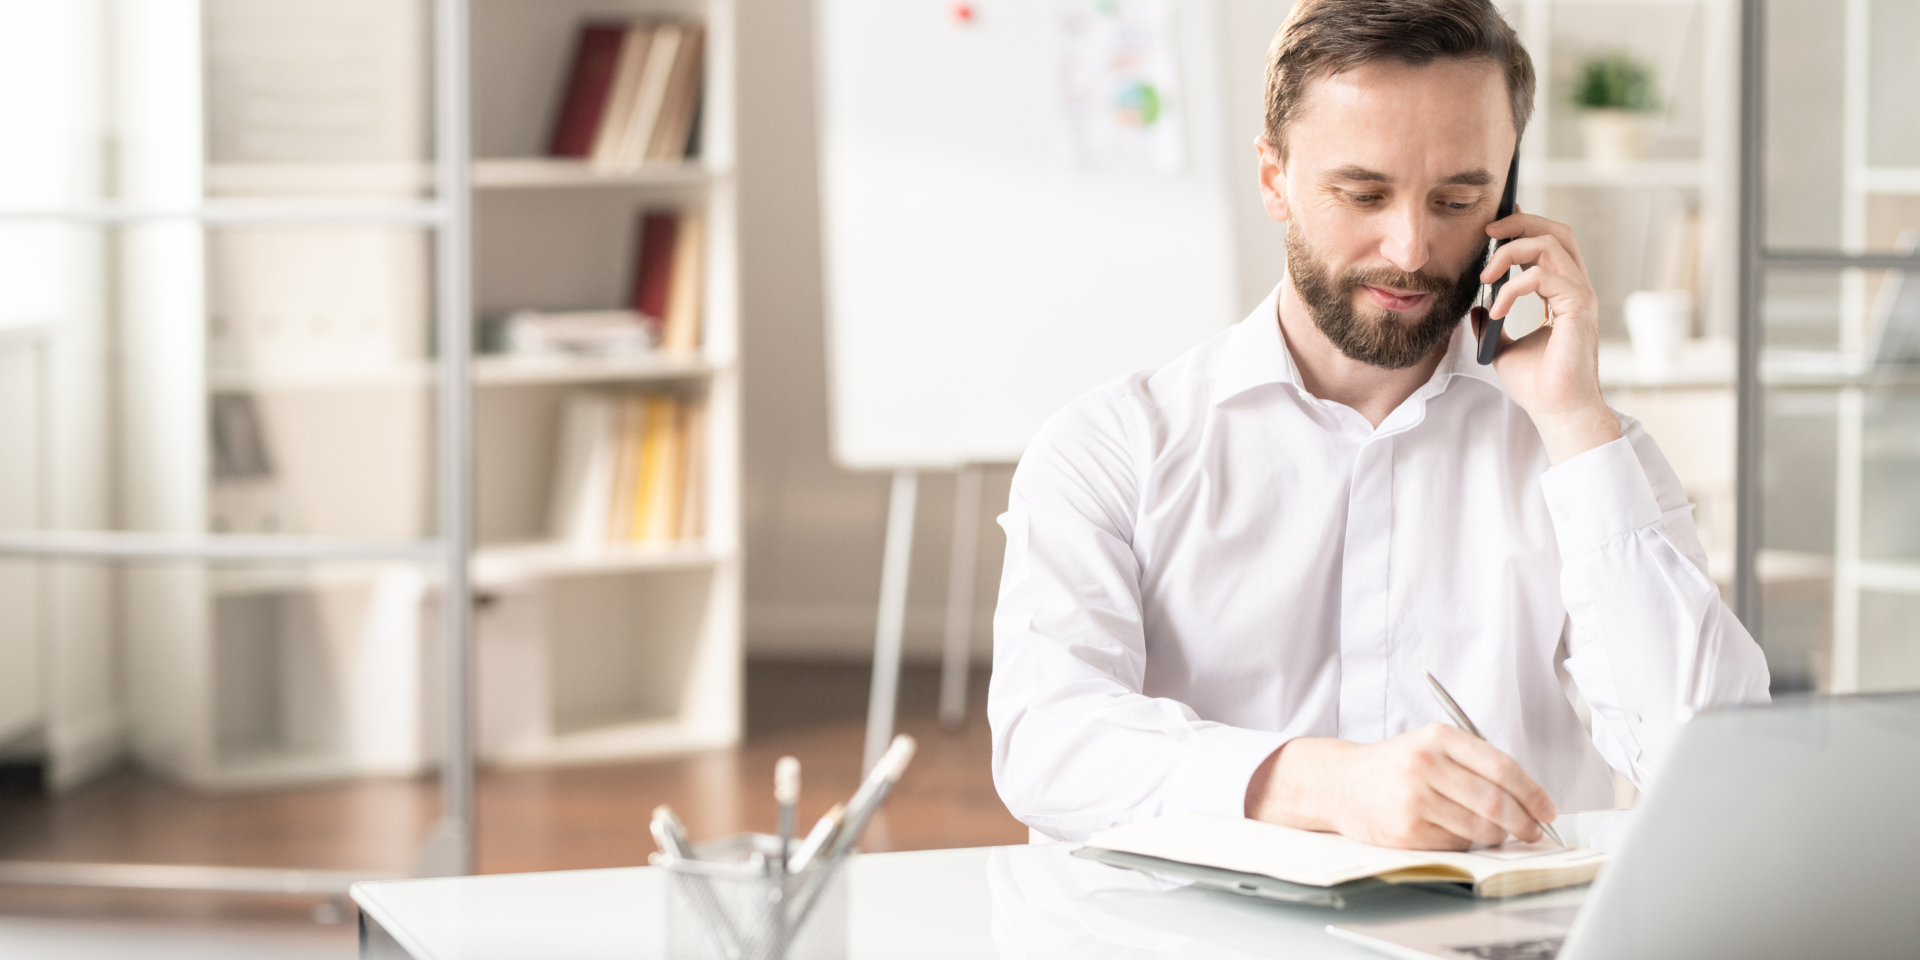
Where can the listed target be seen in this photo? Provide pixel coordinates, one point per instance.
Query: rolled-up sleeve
(1650, 639)
(1076, 746)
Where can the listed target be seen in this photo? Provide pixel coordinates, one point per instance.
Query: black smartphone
(1490, 327)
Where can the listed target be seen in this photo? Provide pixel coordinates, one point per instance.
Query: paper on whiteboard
(1116, 85)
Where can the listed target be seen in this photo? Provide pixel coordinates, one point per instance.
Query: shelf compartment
(596, 668)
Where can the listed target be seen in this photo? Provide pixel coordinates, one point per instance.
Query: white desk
(988, 902)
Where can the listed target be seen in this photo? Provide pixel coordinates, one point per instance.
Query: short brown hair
(1324, 38)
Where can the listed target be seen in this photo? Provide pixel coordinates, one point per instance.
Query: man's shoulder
(1108, 429)
(1117, 404)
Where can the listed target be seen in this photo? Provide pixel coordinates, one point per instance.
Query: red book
(653, 271)
(594, 59)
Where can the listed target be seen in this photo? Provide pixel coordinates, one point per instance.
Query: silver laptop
(1784, 831)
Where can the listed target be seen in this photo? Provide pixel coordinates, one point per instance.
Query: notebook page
(1250, 846)
(1318, 859)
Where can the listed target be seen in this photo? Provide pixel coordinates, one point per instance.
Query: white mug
(1658, 321)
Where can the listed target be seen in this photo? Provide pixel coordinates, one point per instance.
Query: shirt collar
(1258, 356)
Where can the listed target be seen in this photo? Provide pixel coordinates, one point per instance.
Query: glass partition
(220, 585)
(1838, 463)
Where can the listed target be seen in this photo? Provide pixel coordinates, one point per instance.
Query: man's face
(1392, 174)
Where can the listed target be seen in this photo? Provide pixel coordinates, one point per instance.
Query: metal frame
(449, 848)
(960, 576)
(894, 568)
(1749, 420)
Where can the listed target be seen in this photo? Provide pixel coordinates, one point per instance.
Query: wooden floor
(554, 819)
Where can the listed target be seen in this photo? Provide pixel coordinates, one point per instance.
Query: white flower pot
(1614, 137)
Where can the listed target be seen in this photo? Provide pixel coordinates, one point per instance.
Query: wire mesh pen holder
(726, 905)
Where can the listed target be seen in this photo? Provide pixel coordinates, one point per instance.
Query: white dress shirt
(1206, 561)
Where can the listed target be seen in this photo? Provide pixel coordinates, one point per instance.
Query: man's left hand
(1553, 373)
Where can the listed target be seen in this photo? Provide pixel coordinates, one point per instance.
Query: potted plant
(1614, 94)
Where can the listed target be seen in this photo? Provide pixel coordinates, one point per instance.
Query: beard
(1375, 335)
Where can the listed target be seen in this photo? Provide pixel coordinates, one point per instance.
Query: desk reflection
(1050, 904)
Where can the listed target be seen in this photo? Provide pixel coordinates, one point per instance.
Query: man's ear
(1273, 180)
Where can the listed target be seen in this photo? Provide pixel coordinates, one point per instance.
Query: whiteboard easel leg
(966, 539)
(893, 616)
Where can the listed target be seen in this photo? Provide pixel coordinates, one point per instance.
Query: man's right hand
(1435, 788)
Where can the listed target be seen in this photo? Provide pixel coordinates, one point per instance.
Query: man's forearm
(1278, 795)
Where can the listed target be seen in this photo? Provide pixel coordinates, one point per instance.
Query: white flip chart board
(989, 256)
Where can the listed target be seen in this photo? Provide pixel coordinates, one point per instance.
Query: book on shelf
(669, 274)
(630, 469)
(595, 57)
(596, 333)
(664, 312)
(245, 495)
(653, 265)
(238, 438)
(632, 94)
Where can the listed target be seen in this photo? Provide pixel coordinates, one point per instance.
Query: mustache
(1400, 280)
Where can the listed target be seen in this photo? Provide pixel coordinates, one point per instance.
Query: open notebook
(1326, 859)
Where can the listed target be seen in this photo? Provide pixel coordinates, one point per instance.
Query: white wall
(814, 531)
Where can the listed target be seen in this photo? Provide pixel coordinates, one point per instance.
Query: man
(1225, 578)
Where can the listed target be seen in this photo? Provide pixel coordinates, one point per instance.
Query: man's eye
(1456, 205)
(1364, 197)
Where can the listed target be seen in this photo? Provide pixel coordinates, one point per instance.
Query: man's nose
(1405, 242)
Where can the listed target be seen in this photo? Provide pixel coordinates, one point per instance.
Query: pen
(837, 838)
(873, 792)
(786, 793)
(1460, 719)
(669, 835)
(823, 830)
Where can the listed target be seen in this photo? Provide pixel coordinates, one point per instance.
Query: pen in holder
(726, 905)
(759, 897)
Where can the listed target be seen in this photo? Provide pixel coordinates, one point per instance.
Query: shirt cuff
(1597, 496)
(1213, 771)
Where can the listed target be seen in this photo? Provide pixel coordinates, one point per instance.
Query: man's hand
(1553, 373)
(1436, 788)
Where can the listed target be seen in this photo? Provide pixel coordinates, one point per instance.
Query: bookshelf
(621, 650)
(294, 633)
